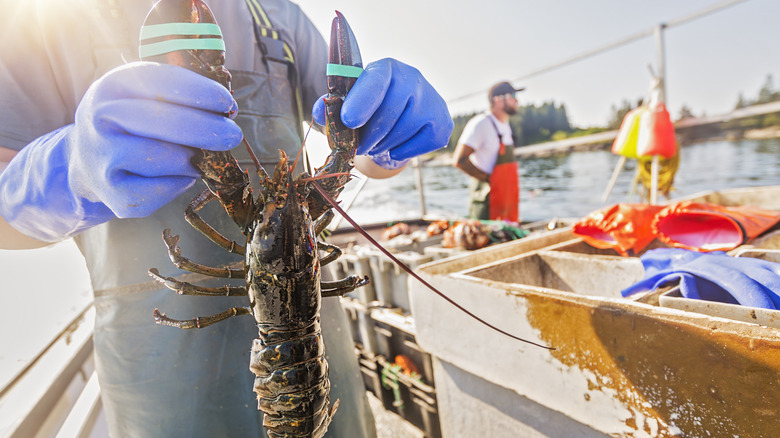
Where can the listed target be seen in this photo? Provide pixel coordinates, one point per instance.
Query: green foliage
(766, 94)
(586, 131)
(754, 122)
(531, 124)
(535, 124)
(460, 123)
(685, 112)
(559, 135)
(619, 112)
(741, 102)
(771, 120)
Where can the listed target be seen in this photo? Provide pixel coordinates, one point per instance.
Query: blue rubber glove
(126, 155)
(713, 276)
(400, 115)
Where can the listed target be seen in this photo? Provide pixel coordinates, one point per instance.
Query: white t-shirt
(481, 136)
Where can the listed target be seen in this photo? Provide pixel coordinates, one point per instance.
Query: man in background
(485, 152)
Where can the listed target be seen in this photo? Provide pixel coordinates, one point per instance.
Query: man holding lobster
(96, 146)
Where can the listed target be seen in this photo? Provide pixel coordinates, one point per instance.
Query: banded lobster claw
(185, 33)
(344, 61)
(344, 66)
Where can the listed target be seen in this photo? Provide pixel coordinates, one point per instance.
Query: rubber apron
(626, 228)
(700, 226)
(504, 196)
(498, 198)
(160, 381)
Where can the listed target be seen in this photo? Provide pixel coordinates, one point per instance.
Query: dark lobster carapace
(281, 253)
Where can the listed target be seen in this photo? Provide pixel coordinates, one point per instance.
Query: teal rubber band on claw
(169, 29)
(163, 47)
(347, 71)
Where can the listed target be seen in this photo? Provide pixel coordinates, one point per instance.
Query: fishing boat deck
(57, 394)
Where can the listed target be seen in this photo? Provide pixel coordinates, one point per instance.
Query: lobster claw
(344, 67)
(185, 33)
(344, 61)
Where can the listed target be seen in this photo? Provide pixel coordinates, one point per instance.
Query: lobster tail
(291, 381)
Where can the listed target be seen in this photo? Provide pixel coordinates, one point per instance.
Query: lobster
(281, 253)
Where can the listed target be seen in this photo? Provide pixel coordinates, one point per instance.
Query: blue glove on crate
(126, 155)
(400, 114)
(713, 276)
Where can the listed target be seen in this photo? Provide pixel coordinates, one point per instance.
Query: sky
(464, 46)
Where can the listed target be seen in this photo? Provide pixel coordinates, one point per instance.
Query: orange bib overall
(504, 184)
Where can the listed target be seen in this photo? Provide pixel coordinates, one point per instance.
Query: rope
(667, 169)
(623, 41)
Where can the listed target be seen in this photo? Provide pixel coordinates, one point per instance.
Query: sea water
(568, 185)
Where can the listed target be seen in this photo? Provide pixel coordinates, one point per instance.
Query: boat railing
(773, 255)
(57, 393)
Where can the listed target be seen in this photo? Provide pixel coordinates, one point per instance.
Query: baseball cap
(503, 88)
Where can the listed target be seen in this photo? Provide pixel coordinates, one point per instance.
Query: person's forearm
(12, 239)
(470, 169)
(367, 167)
(5, 156)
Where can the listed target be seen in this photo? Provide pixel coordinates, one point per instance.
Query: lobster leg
(333, 252)
(323, 221)
(337, 287)
(184, 288)
(343, 286)
(200, 321)
(174, 251)
(199, 224)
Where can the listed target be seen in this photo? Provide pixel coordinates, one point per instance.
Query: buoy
(626, 141)
(656, 133)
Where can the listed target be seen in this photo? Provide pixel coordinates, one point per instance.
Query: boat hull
(620, 367)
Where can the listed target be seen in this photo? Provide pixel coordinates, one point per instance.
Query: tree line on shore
(766, 94)
(549, 122)
(531, 124)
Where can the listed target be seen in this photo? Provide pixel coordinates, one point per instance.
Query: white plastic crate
(355, 263)
(437, 252)
(361, 324)
(390, 280)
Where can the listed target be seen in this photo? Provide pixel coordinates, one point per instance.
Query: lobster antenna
(326, 176)
(414, 274)
(254, 157)
(303, 145)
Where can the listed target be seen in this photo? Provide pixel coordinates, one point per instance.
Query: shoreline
(603, 141)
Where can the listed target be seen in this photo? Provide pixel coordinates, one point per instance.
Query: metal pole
(661, 71)
(660, 60)
(419, 179)
(615, 173)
